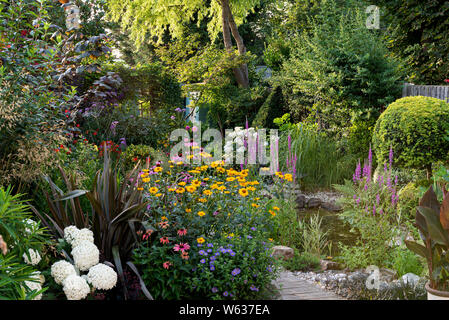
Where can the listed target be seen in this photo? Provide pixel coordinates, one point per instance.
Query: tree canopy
(157, 16)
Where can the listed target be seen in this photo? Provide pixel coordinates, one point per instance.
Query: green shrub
(126, 121)
(405, 261)
(271, 109)
(78, 159)
(135, 153)
(19, 233)
(338, 67)
(31, 109)
(151, 83)
(409, 197)
(360, 135)
(415, 127)
(302, 262)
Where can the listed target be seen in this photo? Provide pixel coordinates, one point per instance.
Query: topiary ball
(416, 129)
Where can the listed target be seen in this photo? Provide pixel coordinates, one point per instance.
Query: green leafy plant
(31, 102)
(432, 220)
(415, 127)
(302, 262)
(337, 67)
(238, 267)
(314, 238)
(319, 160)
(18, 234)
(405, 261)
(13, 276)
(136, 153)
(408, 201)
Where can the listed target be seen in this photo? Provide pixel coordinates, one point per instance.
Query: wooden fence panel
(440, 92)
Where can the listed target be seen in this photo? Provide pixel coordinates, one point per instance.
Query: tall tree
(156, 17)
(417, 32)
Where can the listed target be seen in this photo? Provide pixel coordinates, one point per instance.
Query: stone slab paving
(293, 288)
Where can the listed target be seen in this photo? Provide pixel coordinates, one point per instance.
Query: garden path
(292, 288)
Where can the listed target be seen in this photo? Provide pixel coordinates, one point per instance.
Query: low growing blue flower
(235, 272)
(253, 288)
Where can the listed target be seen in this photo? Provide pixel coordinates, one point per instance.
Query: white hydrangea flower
(61, 270)
(34, 286)
(70, 233)
(32, 226)
(34, 259)
(38, 276)
(102, 277)
(81, 235)
(85, 255)
(75, 287)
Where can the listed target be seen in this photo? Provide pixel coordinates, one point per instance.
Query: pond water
(337, 230)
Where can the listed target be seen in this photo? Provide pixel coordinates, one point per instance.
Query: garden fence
(440, 92)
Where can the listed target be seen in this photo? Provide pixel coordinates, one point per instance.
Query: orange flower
(185, 255)
(164, 240)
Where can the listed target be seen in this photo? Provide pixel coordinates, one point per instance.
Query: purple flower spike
(390, 157)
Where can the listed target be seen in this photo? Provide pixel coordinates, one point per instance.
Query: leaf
(429, 199)
(436, 231)
(73, 194)
(416, 248)
(142, 284)
(444, 212)
(118, 265)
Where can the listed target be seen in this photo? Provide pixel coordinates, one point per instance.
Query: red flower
(182, 232)
(147, 234)
(164, 240)
(167, 264)
(23, 32)
(135, 159)
(446, 80)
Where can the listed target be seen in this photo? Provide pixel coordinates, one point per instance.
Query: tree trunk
(429, 171)
(229, 25)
